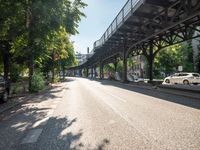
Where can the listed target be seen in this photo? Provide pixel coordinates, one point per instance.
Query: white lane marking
(117, 97)
(42, 122)
(55, 102)
(53, 106)
(32, 136)
(126, 118)
(50, 113)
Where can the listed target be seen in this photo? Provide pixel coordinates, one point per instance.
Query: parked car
(4, 89)
(183, 78)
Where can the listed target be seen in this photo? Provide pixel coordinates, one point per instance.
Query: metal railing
(123, 15)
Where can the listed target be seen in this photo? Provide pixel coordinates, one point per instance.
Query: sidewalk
(18, 99)
(12, 102)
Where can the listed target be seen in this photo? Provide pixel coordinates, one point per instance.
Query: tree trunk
(5, 53)
(63, 71)
(87, 72)
(53, 71)
(125, 69)
(124, 64)
(29, 26)
(101, 71)
(31, 69)
(150, 59)
(115, 66)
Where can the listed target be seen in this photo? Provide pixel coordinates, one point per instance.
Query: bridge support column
(95, 72)
(101, 71)
(125, 69)
(92, 72)
(124, 64)
(87, 72)
(80, 72)
(150, 59)
(115, 64)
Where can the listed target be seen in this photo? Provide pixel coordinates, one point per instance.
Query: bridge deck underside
(161, 22)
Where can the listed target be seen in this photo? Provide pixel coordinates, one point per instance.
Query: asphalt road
(88, 114)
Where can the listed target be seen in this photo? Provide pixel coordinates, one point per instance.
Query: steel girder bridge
(144, 27)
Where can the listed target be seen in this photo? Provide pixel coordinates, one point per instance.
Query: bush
(37, 82)
(16, 88)
(14, 73)
(56, 79)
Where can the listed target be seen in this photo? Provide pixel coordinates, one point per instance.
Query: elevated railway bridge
(144, 27)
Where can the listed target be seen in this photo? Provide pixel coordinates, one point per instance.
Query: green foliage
(16, 88)
(56, 79)
(37, 82)
(130, 63)
(120, 68)
(168, 59)
(197, 63)
(14, 75)
(109, 68)
(15, 71)
(39, 31)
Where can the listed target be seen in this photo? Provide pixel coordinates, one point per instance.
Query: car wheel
(185, 82)
(167, 81)
(5, 96)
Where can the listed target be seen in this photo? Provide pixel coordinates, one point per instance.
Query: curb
(139, 86)
(178, 92)
(159, 89)
(179, 89)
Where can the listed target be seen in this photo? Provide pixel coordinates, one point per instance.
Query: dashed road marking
(117, 97)
(55, 102)
(42, 122)
(32, 136)
(128, 120)
(53, 106)
(50, 113)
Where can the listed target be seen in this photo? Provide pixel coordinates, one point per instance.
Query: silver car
(183, 78)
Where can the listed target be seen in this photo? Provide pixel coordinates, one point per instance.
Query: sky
(99, 15)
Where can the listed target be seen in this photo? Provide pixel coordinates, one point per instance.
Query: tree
(36, 30)
(197, 63)
(186, 51)
(11, 21)
(70, 60)
(45, 18)
(167, 60)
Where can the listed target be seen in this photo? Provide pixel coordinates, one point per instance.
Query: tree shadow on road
(186, 101)
(58, 135)
(17, 122)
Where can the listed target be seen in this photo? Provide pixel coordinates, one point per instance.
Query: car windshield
(184, 74)
(176, 74)
(196, 75)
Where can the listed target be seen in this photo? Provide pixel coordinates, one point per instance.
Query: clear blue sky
(100, 14)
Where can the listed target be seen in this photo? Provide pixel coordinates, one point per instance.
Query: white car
(183, 78)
